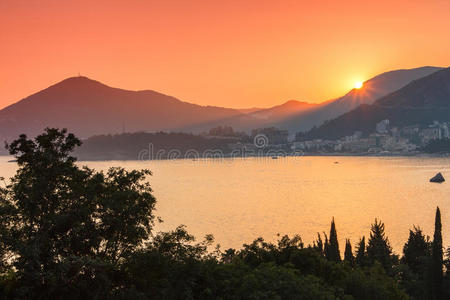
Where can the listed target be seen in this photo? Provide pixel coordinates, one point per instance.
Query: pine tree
(437, 259)
(360, 258)
(416, 250)
(378, 247)
(333, 248)
(348, 254)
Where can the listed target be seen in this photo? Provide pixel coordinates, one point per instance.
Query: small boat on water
(12, 160)
(274, 157)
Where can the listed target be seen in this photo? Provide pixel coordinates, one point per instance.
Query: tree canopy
(71, 232)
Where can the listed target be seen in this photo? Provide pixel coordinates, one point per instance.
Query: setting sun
(358, 84)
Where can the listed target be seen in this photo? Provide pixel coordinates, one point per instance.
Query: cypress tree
(326, 246)
(333, 251)
(361, 252)
(348, 254)
(437, 259)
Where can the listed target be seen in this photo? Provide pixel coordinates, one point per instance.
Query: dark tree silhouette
(378, 246)
(437, 257)
(69, 232)
(65, 222)
(415, 251)
(361, 255)
(333, 252)
(326, 246)
(318, 244)
(348, 254)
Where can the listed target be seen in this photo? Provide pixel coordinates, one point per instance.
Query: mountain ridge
(89, 107)
(372, 89)
(420, 102)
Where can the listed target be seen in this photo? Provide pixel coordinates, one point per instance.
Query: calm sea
(238, 200)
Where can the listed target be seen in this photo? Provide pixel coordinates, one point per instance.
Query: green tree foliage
(333, 252)
(414, 269)
(416, 250)
(326, 246)
(318, 244)
(69, 232)
(378, 247)
(175, 267)
(150, 146)
(437, 258)
(361, 255)
(64, 225)
(446, 281)
(348, 253)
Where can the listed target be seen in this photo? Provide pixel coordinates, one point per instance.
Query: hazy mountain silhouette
(372, 89)
(285, 110)
(301, 116)
(88, 107)
(249, 110)
(267, 117)
(420, 102)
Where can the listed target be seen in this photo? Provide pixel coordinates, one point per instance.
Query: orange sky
(226, 53)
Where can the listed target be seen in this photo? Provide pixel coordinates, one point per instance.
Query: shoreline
(269, 156)
(419, 155)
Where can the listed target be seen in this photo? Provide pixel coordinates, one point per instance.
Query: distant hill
(372, 89)
(149, 146)
(285, 110)
(87, 107)
(249, 110)
(257, 118)
(420, 102)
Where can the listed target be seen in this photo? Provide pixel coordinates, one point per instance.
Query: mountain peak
(88, 107)
(79, 81)
(78, 78)
(293, 102)
(421, 102)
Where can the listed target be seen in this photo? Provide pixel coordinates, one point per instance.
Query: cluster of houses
(384, 140)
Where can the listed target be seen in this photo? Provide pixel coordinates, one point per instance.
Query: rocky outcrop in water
(438, 178)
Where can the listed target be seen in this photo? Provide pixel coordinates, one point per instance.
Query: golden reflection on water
(238, 200)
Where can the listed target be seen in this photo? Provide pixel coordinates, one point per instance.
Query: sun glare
(358, 84)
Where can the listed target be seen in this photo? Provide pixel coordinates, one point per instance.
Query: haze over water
(238, 200)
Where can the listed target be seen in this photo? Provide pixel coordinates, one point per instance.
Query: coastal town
(385, 140)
